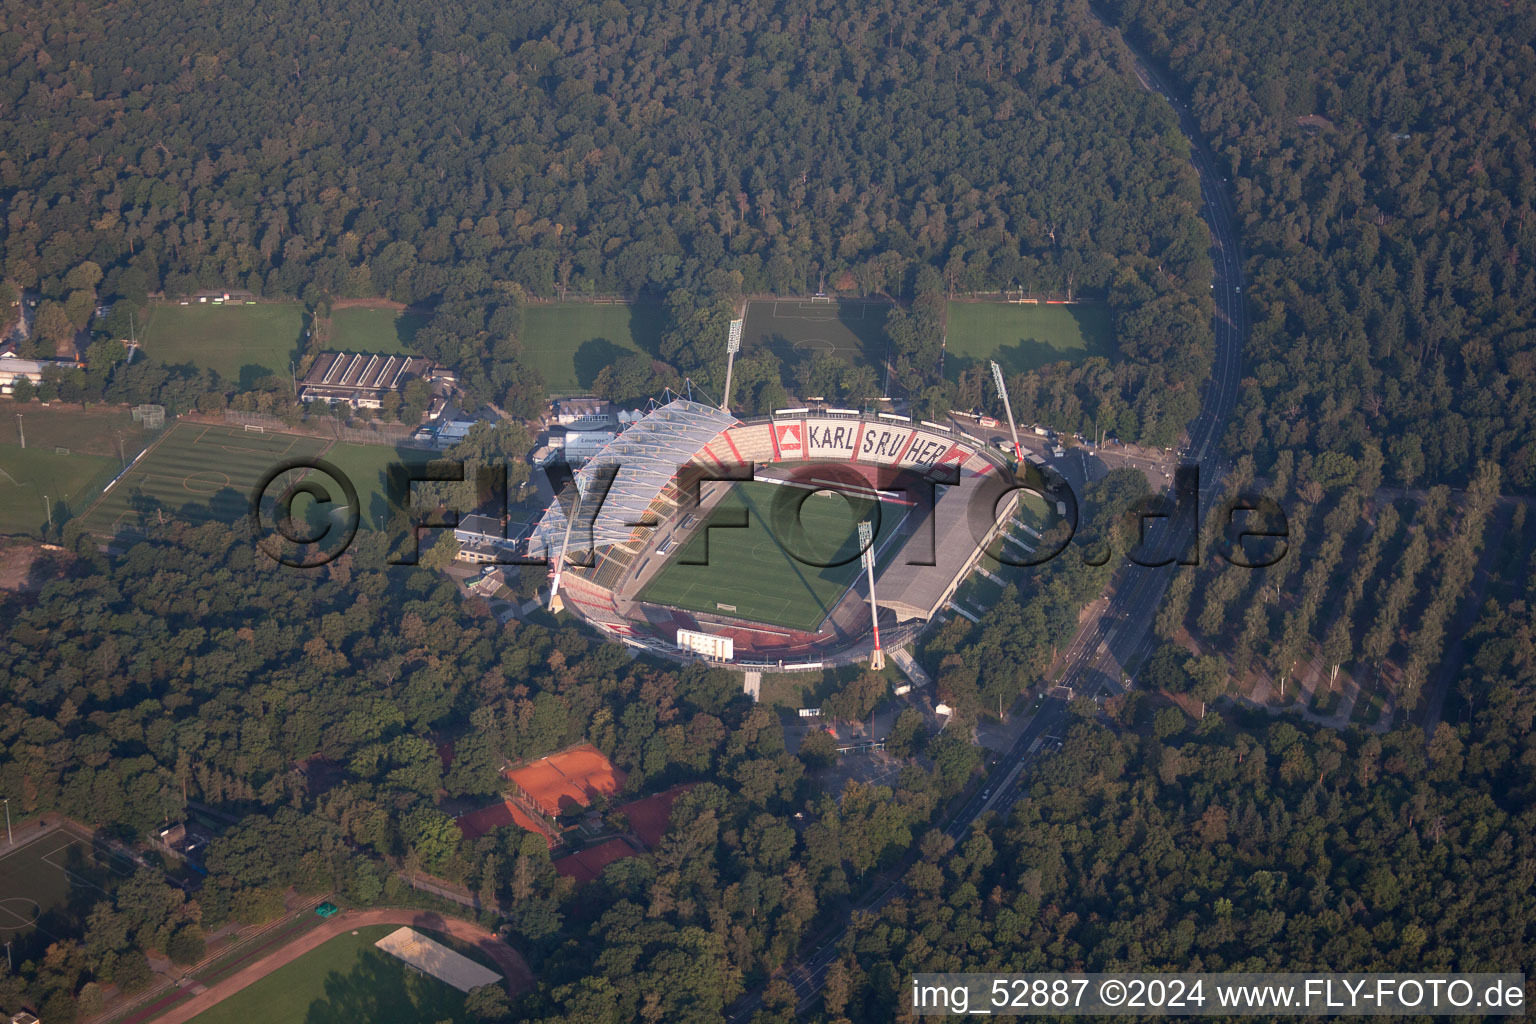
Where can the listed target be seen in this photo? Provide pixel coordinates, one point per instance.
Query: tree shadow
(254, 377)
(406, 326)
(382, 990)
(645, 327)
(1021, 357)
(591, 358)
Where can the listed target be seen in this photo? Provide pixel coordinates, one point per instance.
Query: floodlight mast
(1002, 389)
(555, 601)
(732, 346)
(867, 542)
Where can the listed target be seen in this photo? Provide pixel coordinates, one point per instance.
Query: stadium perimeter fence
(392, 434)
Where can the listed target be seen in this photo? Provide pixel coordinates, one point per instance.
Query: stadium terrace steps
(753, 443)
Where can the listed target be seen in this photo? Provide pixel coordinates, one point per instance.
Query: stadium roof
(917, 591)
(644, 459)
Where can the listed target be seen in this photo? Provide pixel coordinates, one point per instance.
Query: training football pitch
(760, 572)
(369, 329)
(569, 343)
(36, 483)
(853, 330)
(345, 979)
(50, 884)
(367, 466)
(197, 472)
(241, 343)
(1024, 336)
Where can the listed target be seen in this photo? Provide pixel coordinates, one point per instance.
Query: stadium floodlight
(555, 601)
(732, 346)
(1002, 389)
(867, 542)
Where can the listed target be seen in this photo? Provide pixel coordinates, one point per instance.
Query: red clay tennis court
(477, 823)
(648, 818)
(589, 863)
(569, 780)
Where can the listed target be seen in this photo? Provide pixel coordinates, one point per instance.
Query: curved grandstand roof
(642, 460)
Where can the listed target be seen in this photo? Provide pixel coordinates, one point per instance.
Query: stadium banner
(789, 440)
(884, 444)
(831, 439)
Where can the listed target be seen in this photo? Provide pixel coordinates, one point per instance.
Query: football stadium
(755, 542)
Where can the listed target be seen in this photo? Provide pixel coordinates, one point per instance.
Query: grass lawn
(752, 568)
(570, 343)
(197, 472)
(344, 980)
(1033, 510)
(366, 465)
(242, 343)
(1024, 337)
(48, 886)
(70, 481)
(796, 329)
(385, 331)
(84, 430)
(805, 689)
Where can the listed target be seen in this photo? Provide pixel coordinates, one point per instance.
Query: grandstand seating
(753, 442)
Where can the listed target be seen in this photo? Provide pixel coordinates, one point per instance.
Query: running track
(519, 978)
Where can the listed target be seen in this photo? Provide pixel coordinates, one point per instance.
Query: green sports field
(570, 343)
(796, 329)
(366, 465)
(242, 343)
(344, 980)
(196, 472)
(363, 329)
(753, 572)
(69, 482)
(49, 885)
(84, 430)
(1023, 336)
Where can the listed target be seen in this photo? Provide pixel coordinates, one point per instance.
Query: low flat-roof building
(580, 446)
(359, 379)
(485, 539)
(14, 368)
(569, 410)
(451, 432)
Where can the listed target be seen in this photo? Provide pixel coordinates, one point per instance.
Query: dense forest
(474, 158)
(1381, 162)
(136, 681)
(1153, 841)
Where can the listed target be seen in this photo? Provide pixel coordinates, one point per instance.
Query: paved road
(1119, 628)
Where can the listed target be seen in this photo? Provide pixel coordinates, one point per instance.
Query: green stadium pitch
(197, 472)
(1025, 336)
(853, 330)
(754, 574)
